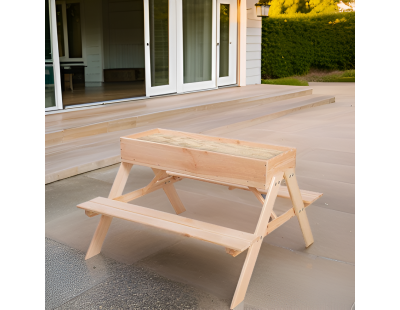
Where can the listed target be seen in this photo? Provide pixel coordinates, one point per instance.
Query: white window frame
(55, 57)
(171, 87)
(231, 79)
(66, 57)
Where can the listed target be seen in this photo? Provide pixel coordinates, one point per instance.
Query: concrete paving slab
(69, 275)
(327, 171)
(203, 265)
(337, 196)
(284, 279)
(101, 283)
(126, 242)
(340, 131)
(328, 156)
(139, 176)
(333, 231)
(300, 142)
(63, 196)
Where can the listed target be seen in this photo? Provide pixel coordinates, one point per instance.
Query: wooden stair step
(226, 237)
(94, 152)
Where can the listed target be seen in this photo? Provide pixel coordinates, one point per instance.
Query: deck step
(226, 237)
(104, 119)
(94, 152)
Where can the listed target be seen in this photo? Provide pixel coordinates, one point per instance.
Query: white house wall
(253, 45)
(93, 41)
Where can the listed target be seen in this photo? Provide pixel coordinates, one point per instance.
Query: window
(69, 29)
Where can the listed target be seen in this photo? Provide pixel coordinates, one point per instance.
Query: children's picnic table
(174, 156)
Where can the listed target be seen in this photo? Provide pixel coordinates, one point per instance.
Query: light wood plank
(280, 220)
(212, 146)
(223, 167)
(261, 199)
(120, 180)
(232, 252)
(105, 221)
(173, 198)
(209, 138)
(308, 197)
(144, 191)
(171, 193)
(298, 206)
(253, 251)
(172, 218)
(191, 228)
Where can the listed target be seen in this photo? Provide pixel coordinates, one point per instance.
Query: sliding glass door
(196, 38)
(160, 46)
(190, 45)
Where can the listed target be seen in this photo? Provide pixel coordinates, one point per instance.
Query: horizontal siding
(253, 63)
(254, 31)
(251, 80)
(254, 23)
(253, 47)
(253, 39)
(253, 71)
(253, 55)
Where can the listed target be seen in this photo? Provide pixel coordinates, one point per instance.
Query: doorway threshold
(84, 106)
(227, 86)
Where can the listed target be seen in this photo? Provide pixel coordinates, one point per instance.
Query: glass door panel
(197, 40)
(50, 96)
(196, 44)
(60, 30)
(160, 45)
(226, 41)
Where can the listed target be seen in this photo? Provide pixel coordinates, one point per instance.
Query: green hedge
(291, 46)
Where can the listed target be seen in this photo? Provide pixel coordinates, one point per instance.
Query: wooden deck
(75, 150)
(67, 119)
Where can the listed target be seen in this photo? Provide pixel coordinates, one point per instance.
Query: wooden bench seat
(308, 197)
(229, 238)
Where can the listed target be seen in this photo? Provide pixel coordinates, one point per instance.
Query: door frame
(189, 87)
(55, 57)
(164, 89)
(231, 79)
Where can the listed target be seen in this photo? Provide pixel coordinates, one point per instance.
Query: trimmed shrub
(291, 46)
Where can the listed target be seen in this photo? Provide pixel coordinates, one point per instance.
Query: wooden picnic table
(174, 156)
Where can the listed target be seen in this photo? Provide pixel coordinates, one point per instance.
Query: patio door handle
(217, 44)
(147, 44)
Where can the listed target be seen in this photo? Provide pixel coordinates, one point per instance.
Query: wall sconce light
(262, 10)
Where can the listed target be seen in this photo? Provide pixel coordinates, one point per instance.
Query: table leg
(174, 199)
(172, 195)
(105, 221)
(298, 205)
(254, 249)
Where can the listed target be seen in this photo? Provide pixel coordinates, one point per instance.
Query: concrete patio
(141, 267)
